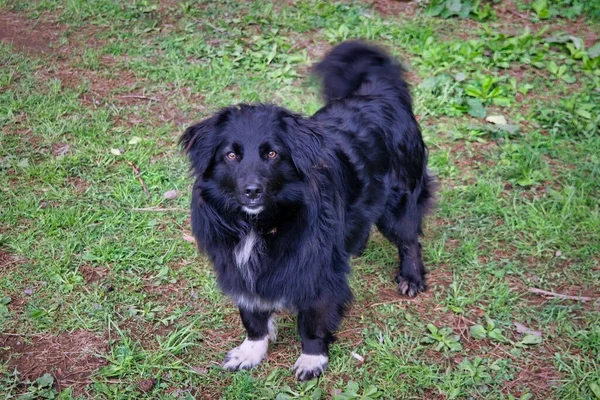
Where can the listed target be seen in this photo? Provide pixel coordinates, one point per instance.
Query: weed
(570, 9)
(443, 338)
(352, 391)
(574, 116)
(304, 391)
(489, 331)
(479, 10)
(488, 90)
(41, 389)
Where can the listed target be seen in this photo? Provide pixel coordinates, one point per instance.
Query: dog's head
(252, 159)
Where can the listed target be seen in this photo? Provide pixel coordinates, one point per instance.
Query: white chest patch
(247, 256)
(243, 251)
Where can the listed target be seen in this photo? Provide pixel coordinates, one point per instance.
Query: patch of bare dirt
(405, 8)
(27, 35)
(173, 294)
(17, 304)
(125, 89)
(507, 10)
(70, 357)
(92, 274)
(102, 87)
(539, 379)
(122, 87)
(587, 291)
(6, 259)
(144, 332)
(582, 29)
(78, 184)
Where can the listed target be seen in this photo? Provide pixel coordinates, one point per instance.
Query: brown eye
(272, 154)
(231, 155)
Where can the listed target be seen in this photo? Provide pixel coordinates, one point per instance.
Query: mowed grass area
(103, 295)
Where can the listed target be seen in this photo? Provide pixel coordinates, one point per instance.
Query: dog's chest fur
(247, 255)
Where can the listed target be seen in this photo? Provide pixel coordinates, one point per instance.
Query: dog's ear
(198, 141)
(304, 143)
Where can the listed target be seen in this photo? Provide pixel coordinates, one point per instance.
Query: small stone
(170, 194)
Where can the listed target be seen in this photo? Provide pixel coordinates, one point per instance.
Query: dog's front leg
(260, 328)
(316, 326)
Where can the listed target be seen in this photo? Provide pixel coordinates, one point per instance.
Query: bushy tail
(349, 65)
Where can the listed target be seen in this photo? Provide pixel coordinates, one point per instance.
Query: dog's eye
(231, 155)
(272, 154)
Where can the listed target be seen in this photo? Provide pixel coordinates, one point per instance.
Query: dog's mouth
(253, 208)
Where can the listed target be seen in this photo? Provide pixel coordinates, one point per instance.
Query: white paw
(310, 366)
(246, 355)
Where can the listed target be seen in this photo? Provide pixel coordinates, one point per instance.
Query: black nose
(253, 191)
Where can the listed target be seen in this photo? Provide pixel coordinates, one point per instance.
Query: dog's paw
(247, 355)
(310, 366)
(410, 286)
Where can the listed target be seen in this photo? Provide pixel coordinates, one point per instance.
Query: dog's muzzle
(253, 194)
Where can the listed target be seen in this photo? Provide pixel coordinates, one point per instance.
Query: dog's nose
(253, 191)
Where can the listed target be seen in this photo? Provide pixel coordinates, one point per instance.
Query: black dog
(281, 201)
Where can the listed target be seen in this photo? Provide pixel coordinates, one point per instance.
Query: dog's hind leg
(401, 224)
(260, 328)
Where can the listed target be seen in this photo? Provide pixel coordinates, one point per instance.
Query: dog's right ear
(198, 141)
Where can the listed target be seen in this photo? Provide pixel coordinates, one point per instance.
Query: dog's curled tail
(350, 65)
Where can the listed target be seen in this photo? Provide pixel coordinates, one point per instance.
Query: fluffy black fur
(281, 201)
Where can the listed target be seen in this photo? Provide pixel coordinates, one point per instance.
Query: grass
(113, 85)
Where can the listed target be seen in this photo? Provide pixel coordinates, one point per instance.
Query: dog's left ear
(198, 141)
(304, 142)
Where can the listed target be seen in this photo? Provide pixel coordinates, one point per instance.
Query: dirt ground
(70, 357)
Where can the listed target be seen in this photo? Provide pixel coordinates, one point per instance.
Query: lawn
(103, 294)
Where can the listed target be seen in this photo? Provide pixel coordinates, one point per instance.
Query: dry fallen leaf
(135, 140)
(61, 149)
(523, 329)
(496, 119)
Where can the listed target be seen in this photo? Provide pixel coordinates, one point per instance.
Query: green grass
(517, 206)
